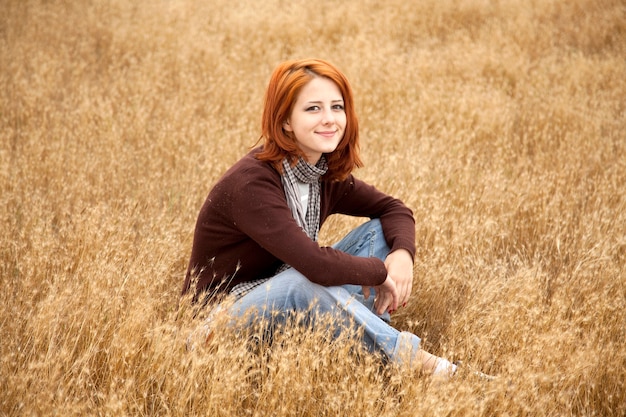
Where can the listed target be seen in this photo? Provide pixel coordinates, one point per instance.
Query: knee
(375, 224)
(377, 246)
(372, 227)
(300, 293)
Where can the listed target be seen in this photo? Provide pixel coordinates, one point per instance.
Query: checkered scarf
(308, 174)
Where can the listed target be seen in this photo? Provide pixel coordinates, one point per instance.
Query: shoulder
(247, 182)
(249, 169)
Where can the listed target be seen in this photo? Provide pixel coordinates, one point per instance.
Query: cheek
(343, 121)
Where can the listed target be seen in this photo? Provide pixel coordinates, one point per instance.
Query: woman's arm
(260, 211)
(354, 197)
(357, 198)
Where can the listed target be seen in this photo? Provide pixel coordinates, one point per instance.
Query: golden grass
(500, 123)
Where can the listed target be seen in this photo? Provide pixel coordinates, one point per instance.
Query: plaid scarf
(308, 174)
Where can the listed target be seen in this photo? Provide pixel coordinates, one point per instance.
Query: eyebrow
(320, 101)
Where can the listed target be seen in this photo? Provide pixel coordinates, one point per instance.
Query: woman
(256, 234)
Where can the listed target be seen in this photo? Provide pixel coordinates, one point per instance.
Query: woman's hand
(386, 296)
(399, 264)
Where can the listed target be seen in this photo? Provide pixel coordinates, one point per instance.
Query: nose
(328, 117)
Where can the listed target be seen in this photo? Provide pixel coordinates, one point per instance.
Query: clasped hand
(396, 289)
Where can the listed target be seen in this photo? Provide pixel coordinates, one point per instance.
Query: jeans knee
(301, 294)
(367, 240)
(375, 224)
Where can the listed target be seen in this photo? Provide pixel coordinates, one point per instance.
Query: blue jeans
(289, 293)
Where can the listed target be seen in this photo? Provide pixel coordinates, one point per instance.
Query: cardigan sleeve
(355, 197)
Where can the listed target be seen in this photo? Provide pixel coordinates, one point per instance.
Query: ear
(287, 126)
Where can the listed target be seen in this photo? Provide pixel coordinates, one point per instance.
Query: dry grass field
(501, 123)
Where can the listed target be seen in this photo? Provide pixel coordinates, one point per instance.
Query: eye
(312, 108)
(338, 107)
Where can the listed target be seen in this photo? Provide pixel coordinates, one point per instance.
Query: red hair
(282, 92)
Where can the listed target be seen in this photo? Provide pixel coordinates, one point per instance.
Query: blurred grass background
(500, 123)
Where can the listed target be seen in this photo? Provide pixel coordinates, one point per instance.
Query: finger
(404, 293)
(366, 291)
(379, 300)
(401, 292)
(395, 299)
(382, 304)
(408, 293)
(394, 302)
(386, 303)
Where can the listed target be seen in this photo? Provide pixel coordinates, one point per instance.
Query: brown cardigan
(245, 231)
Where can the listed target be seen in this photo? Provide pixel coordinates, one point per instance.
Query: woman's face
(318, 118)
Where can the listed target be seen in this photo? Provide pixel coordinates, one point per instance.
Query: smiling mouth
(327, 134)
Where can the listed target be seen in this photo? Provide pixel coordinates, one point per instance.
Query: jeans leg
(283, 297)
(366, 241)
(290, 292)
